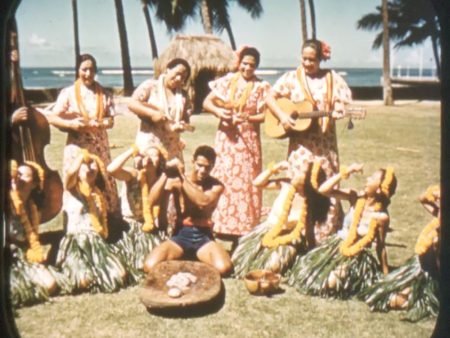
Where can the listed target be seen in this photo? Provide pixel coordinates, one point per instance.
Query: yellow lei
(149, 212)
(350, 246)
(95, 201)
(272, 238)
(427, 237)
(99, 96)
(35, 253)
(240, 103)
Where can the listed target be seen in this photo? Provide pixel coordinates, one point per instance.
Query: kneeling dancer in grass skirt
(413, 287)
(138, 210)
(31, 281)
(288, 230)
(343, 266)
(84, 256)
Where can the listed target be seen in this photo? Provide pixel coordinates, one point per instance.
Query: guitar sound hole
(295, 115)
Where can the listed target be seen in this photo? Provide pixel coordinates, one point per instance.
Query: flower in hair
(326, 50)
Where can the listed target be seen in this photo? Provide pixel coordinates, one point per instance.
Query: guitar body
(272, 125)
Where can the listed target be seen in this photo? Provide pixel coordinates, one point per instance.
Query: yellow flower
(426, 238)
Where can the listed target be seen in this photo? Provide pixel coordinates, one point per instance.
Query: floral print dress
(318, 142)
(238, 162)
(95, 141)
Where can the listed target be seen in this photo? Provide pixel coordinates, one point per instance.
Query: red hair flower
(326, 50)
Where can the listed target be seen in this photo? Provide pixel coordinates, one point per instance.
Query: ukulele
(302, 113)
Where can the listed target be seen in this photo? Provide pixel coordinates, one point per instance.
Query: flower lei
(35, 253)
(99, 96)
(272, 238)
(240, 103)
(315, 174)
(350, 247)
(95, 201)
(147, 210)
(427, 237)
(94, 198)
(429, 194)
(387, 180)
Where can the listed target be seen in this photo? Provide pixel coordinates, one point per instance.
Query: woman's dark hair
(314, 44)
(207, 152)
(252, 51)
(85, 57)
(179, 61)
(37, 194)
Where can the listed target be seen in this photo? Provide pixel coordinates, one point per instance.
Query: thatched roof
(201, 51)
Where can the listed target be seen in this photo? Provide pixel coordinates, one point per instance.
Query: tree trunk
(387, 86)
(312, 12)
(75, 33)
(151, 33)
(206, 17)
(436, 54)
(303, 21)
(230, 35)
(126, 66)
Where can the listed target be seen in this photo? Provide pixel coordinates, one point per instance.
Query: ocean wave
(63, 72)
(119, 71)
(267, 72)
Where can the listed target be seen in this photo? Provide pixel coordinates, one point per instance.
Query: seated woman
(138, 210)
(84, 257)
(342, 266)
(289, 228)
(413, 286)
(30, 280)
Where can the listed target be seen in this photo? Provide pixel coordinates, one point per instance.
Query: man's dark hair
(207, 152)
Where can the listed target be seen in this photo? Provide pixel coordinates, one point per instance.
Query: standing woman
(238, 101)
(325, 90)
(85, 111)
(164, 109)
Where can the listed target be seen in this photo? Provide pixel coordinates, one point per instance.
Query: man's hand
(20, 115)
(287, 122)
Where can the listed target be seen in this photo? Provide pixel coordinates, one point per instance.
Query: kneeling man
(198, 197)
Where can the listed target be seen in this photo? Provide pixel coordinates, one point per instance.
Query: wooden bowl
(262, 282)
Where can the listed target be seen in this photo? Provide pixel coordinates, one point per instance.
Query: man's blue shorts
(192, 238)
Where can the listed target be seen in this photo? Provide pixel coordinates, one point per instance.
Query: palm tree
(411, 22)
(387, 85)
(312, 12)
(75, 31)
(303, 20)
(126, 65)
(214, 14)
(151, 34)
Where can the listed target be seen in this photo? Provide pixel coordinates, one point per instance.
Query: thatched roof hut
(208, 56)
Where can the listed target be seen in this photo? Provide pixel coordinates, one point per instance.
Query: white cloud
(36, 40)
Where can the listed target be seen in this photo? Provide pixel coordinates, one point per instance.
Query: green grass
(404, 136)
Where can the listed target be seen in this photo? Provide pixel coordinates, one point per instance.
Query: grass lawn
(405, 136)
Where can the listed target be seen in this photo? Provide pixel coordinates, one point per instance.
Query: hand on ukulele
(78, 124)
(19, 116)
(280, 166)
(225, 115)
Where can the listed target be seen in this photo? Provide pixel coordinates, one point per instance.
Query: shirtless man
(198, 194)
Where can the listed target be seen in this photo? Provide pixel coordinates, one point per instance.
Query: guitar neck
(317, 113)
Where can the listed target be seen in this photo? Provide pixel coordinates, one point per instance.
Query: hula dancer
(30, 280)
(413, 286)
(343, 266)
(138, 210)
(289, 228)
(84, 256)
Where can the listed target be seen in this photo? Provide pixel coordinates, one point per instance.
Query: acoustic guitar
(302, 113)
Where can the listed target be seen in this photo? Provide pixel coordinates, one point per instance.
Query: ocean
(112, 77)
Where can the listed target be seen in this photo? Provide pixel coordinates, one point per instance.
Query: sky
(46, 34)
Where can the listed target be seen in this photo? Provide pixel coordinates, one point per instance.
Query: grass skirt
(27, 281)
(317, 271)
(134, 246)
(422, 300)
(251, 255)
(90, 264)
